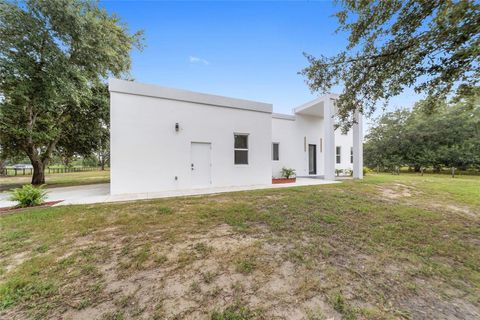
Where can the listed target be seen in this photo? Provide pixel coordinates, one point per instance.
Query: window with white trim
(275, 151)
(240, 148)
(351, 155)
(338, 154)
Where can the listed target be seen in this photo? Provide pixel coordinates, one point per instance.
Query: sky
(249, 50)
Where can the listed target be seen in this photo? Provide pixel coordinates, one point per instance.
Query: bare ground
(316, 263)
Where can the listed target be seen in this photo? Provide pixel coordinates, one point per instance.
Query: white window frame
(241, 149)
(273, 153)
(338, 154)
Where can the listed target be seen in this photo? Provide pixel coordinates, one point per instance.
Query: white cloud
(193, 59)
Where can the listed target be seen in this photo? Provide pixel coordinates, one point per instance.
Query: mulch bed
(283, 180)
(16, 209)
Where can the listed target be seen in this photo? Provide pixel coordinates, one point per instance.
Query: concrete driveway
(100, 193)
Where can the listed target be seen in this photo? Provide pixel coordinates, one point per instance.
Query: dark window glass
(241, 141)
(339, 155)
(241, 149)
(275, 151)
(241, 157)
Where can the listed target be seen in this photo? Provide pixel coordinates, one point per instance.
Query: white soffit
(315, 107)
(149, 90)
(283, 116)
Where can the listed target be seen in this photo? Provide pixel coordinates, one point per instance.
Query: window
(241, 148)
(351, 155)
(275, 151)
(339, 154)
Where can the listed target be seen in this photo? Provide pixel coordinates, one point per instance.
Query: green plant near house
(338, 172)
(288, 172)
(28, 195)
(366, 171)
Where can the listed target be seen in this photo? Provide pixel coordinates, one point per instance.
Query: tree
(446, 135)
(384, 147)
(104, 149)
(430, 45)
(3, 163)
(84, 140)
(54, 58)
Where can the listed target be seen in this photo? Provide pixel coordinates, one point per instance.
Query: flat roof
(283, 116)
(149, 90)
(316, 106)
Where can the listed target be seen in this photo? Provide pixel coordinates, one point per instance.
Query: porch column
(329, 137)
(358, 146)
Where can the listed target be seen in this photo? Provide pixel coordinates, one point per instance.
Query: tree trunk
(2, 168)
(38, 177)
(417, 168)
(453, 172)
(422, 169)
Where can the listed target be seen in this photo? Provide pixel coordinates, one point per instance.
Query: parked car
(20, 166)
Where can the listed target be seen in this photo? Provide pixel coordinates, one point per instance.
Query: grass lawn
(388, 247)
(58, 179)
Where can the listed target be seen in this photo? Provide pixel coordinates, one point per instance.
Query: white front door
(200, 164)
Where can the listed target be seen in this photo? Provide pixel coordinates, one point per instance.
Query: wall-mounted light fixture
(177, 127)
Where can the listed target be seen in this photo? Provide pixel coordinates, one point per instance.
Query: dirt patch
(201, 274)
(396, 191)
(426, 304)
(455, 209)
(278, 257)
(17, 260)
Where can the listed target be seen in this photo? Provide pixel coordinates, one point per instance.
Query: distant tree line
(428, 136)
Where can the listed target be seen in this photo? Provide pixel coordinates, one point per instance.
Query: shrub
(366, 170)
(28, 195)
(288, 172)
(338, 172)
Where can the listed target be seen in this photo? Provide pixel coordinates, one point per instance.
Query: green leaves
(431, 135)
(28, 196)
(54, 59)
(432, 46)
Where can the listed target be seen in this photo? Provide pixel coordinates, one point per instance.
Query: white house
(170, 139)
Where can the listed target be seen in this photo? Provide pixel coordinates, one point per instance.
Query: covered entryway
(324, 107)
(201, 164)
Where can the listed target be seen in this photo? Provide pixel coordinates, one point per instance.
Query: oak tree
(430, 45)
(55, 56)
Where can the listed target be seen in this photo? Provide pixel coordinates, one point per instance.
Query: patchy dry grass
(389, 247)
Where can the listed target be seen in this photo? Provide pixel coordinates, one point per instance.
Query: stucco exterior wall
(345, 141)
(147, 153)
(290, 134)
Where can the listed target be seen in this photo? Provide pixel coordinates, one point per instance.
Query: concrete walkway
(100, 193)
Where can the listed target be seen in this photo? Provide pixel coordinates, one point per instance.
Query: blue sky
(249, 50)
